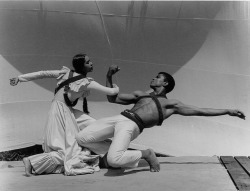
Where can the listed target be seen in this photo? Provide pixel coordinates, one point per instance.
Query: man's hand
(14, 81)
(237, 113)
(112, 70)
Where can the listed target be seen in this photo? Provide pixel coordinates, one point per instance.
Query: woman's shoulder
(90, 79)
(84, 81)
(62, 73)
(65, 69)
(81, 84)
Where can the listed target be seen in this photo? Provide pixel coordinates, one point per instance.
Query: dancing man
(150, 109)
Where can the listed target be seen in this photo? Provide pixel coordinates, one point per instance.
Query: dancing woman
(61, 151)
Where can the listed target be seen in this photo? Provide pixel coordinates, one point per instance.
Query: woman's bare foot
(150, 157)
(28, 167)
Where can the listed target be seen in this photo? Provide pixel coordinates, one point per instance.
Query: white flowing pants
(122, 130)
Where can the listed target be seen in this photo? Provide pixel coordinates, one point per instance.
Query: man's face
(158, 81)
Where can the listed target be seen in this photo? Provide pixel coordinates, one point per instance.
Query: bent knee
(80, 139)
(83, 139)
(113, 161)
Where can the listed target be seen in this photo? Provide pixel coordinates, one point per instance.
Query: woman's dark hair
(170, 80)
(78, 62)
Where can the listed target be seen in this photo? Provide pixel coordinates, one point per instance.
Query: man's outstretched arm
(189, 110)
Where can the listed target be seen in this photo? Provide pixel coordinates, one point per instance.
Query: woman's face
(88, 65)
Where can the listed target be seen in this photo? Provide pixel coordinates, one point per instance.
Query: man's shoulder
(139, 93)
(171, 102)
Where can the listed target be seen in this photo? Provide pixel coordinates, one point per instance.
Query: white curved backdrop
(204, 45)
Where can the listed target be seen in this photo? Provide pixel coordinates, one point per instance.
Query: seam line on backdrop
(34, 101)
(26, 101)
(185, 67)
(142, 62)
(113, 15)
(221, 123)
(105, 31)
(193, 116)
(178, 16)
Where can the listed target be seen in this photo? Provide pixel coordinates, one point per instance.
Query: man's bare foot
(28, 167)
(150, 157)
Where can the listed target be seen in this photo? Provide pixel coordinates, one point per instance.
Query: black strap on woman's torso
(68, 81)
(66, 88)
(158, 105)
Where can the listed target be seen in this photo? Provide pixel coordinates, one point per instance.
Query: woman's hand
(14, 81)
(116, 88)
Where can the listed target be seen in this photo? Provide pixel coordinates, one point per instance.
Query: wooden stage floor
(177, 174)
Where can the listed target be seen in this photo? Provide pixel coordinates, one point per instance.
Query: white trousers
(122, 130)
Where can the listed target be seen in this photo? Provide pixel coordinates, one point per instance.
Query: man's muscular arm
(189, 110)
(124, 99)
(112, 70)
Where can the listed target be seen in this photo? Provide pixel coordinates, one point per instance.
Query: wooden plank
(240, 178)
(244, 162)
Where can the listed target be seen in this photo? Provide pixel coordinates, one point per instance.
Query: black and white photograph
(133, 95)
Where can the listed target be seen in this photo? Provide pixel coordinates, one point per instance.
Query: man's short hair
(170, 80)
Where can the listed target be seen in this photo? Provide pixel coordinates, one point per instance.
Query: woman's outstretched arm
(38, 75)
(103, 89)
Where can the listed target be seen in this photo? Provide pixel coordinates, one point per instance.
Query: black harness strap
(66, 88)
(134, 117)
(68, 81)
(68, 102)
(158, 105)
